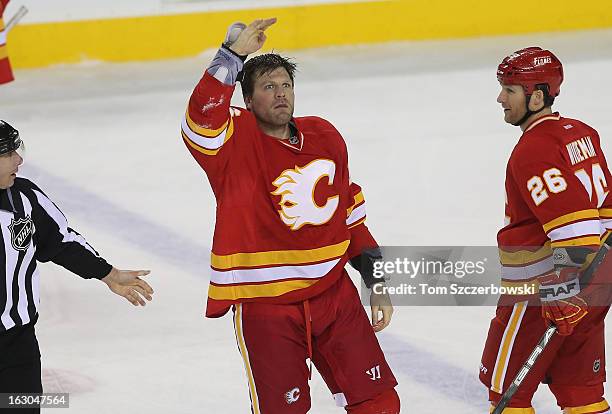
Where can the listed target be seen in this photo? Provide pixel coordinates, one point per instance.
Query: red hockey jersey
(6, 73)
(556, 195)
(288, 217)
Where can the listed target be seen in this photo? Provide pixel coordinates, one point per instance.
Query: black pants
(20, 364)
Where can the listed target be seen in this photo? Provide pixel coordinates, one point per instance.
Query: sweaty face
(512, 99)
(272, 100)
(9, 164)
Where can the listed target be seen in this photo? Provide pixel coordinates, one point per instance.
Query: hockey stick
(585, 279)
(525, 369)
(23, 10)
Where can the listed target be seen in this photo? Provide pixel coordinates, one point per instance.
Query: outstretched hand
(127, 283)
(252, 38)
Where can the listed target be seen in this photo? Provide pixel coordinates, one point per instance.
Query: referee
(35, 230)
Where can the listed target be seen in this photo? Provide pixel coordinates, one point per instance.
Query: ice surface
(426, 140)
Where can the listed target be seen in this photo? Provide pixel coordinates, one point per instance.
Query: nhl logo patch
(21, 233)
(596, 365)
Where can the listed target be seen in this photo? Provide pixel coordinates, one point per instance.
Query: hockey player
(35, 230)
(557, 211)
(288, 220)
(6, 73)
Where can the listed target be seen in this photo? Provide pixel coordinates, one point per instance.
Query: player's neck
(275, 131)
(544, 112)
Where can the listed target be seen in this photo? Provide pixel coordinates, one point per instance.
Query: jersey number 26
(555, 183)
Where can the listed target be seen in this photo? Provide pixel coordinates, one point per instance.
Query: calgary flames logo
(296, 188)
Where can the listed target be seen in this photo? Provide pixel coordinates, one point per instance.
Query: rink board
(181, 35)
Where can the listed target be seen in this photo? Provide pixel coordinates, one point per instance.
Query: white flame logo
(296, 188)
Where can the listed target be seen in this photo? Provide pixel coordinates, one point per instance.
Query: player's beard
(281, 116)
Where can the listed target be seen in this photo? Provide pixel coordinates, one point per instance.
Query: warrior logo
(292, 396)
(21, 233)
(296, 188)
(374, 373)
(596, 365)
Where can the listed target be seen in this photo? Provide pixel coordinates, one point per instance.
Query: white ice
(426, 140)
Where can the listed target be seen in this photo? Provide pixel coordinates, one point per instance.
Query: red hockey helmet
(530, 67)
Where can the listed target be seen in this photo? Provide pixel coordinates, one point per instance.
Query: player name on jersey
(580, 150)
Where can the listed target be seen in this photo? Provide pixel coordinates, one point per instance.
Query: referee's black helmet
(9, 138)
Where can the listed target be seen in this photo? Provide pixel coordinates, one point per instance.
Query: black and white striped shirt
(35, 230)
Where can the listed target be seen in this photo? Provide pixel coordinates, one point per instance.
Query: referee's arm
(57, 242)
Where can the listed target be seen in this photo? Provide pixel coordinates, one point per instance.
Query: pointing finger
(263, 24)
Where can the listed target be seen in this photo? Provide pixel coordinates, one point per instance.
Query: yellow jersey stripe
(605, 212)
(578, 241)
(245, 357)
(3, 52)
(524, 256)
(278, 257)
(208, 143)
(209, 133)
(257, 291)
(503, 356)
(567, 218)
(357, 199)
(588, 409)
(197, 147)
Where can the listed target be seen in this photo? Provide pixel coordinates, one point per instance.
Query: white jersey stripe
(582, 228)
(36, 289)
(11, 263)
(204, 142)
(527, 272)
(22, 304)
(606, 224)
(32, 229)
(357, 214)
(270, 274)
(60, 220)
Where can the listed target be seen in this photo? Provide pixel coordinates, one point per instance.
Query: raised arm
(208, 124)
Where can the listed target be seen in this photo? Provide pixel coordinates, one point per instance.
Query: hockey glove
(364, 264)
(560, 294)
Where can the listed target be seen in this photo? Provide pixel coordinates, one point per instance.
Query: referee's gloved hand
(561, 302)
(127, 283)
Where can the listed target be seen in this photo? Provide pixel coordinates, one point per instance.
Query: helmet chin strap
(528, 112)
